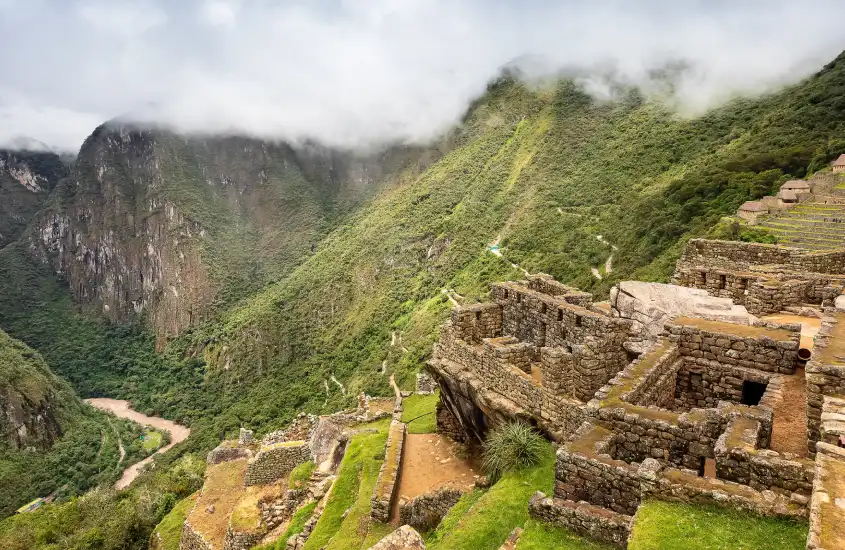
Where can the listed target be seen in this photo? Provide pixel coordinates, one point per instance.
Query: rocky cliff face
(26, 179)
(33, 401)
(168, 226)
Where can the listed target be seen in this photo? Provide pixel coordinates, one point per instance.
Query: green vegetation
(151, 441)
(297, 523)
(168, 532)
(106, 519)
(483, 520)
(300, 475)
(418, 413)
(545, 169)
(351, 492)
(541, 536)
(511, 447)
(675, 526)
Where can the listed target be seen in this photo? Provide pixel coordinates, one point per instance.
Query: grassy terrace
(169, 531)
(348, 507)
(483, 520)
(674, 526)
(418, 413)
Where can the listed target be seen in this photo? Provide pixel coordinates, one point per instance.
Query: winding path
(121, 408)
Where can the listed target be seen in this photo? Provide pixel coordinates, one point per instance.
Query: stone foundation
(388, 476)
(582, 518)
(424, 512)
(192, 540)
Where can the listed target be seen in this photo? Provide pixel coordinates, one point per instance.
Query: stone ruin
(672, 392)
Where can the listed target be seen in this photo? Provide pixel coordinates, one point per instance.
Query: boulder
(325, 439)
(406, 537)
(651, 305)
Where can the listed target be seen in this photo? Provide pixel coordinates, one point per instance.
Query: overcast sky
(353, 73)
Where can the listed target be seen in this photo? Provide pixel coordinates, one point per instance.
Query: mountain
(169, 227)
(26, 180)
(226, 281)
(35, 405)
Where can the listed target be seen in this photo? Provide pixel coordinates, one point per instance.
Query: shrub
(513, 446)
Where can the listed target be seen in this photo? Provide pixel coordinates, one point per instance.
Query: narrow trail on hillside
(339, 385)
(608, 264)
(119, 444)
(102, 444)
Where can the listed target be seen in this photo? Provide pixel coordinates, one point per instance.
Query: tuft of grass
(675, 526)
(485, 523)
(512, 446)
(418, 413)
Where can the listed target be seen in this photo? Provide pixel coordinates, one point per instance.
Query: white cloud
(351, 72)
(220, 12)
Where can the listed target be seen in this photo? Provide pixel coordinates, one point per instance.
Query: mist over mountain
(351, 74)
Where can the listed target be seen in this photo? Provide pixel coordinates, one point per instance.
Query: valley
(121, 409)
(227, 285)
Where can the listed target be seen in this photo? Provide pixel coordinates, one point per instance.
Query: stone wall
(226, 452)
(739, 459)
(741, 255)
(582, 518)
(825, 373)
(241, 540)
(448, 425)
(586, 470)
(827, 514)
(424, 512)
(703, 383)
(274, 462)
(760, 348)
(479, 388)
(388, 476)
(192, 540)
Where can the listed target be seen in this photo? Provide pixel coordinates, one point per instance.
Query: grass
(414, 407)
(674, 526)
(152, 440)
(169, 531)
(483, 520)
(297, 523)
(223, 488)
(300, 475)
(351, 492)
(539, 535)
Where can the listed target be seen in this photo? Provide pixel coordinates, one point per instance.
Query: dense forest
(559, 180)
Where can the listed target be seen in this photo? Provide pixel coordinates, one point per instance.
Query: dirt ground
(223, 489)
(809, 326)
(789, 430)
(429, 462)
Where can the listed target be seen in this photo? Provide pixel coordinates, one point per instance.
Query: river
(121, 408)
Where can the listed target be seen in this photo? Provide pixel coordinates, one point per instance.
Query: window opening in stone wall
(518, 298)
(577, 320)
(542, 307)
(505, 294)
(560, 315)
(701, 465)
(743, 284)
(752, 392)
(477, 315)
(723, 281)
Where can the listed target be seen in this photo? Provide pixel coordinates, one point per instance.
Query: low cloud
(353, 74)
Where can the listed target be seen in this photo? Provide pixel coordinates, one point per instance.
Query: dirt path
(121, 408)
(789, 426)
(119, 444)
(429, 462)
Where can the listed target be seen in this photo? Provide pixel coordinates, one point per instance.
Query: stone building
(750, 210)
(839, 164)
(670, 393)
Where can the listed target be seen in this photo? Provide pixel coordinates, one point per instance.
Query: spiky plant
(511, 446)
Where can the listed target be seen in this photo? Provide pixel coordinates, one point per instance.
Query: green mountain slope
(49, 439)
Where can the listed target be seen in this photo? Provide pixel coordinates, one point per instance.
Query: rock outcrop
(26, 180)
(169, 226)
(404, 538)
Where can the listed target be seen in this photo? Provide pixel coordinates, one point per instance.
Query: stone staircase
(812, 225)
